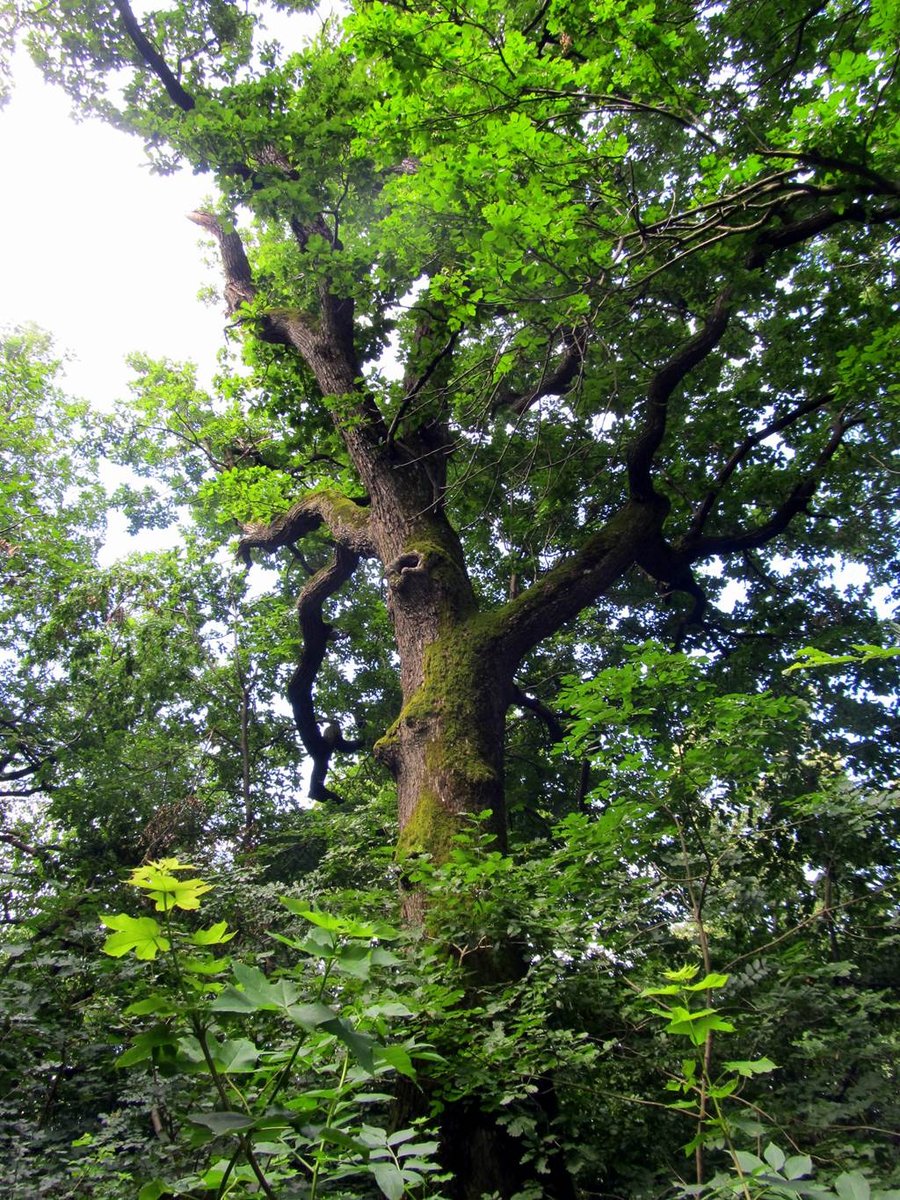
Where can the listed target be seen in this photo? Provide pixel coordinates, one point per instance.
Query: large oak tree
(560, 312)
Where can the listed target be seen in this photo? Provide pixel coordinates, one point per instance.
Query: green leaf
(354, 959)
(141, 934)
(152, 1004)
(852, 1185)
(144, 1045)
(749, 1163)
(397, 1057)
(707, 983)
(400, 1136)
(340, 1138)
(341, 926)
(205, 966)
(153, 1190)
(214, 936)
(798, 1167)
(311, 1015)
(165, 888)
(682, 975)
(361, 1045)
(774, 1156)
(749, 1067)
(389, 1179)
(256, 993)
(237, 1056)
(222, 1122)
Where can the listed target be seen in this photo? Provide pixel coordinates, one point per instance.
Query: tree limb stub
(239, 286)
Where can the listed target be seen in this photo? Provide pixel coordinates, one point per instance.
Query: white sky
(97, 250)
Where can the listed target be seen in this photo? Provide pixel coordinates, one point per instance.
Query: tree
(561, 317)
(653, 244)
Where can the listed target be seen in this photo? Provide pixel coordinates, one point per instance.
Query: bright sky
(97, 250)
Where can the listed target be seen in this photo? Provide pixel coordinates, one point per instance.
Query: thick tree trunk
(446, 747)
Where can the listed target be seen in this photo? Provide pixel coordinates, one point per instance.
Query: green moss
(430, 830)
(344, 510)
(454, 691)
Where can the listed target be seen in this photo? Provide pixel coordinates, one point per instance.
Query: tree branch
(153, 59)
(796, 502)
(547, 715)
(41, 852)
(743, 450)
(346, 520)
(556, 383)
(415, 386)
(319, 745)
(644, 447)
(833, 163)
(325, 344)
(794, 232)
(560, 594)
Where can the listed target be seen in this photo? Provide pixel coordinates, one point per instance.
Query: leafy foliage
(568, 333)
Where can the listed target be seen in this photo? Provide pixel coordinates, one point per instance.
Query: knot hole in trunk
(404, 569)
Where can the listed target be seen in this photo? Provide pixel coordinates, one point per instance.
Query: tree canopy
(557, 445)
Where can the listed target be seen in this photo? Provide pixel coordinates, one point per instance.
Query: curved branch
(13, 839)
(541, 710)
(153, 59)
(643, 449)
(556, 383)
(805, 228)
(670, 568)
(346, 520)
(791, 233)
(832, 162)
(316, 632)
(694, 548)
(743, 450)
